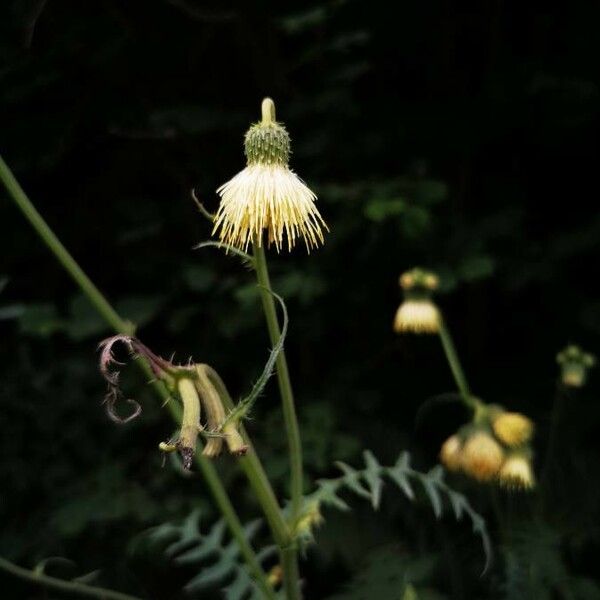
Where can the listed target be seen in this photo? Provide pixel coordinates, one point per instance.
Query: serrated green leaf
(238, 588)
(328, 494)
(372, 475)
(457, 501)
(352, 480)
(433, 494)
(40, 320)
(399, 475)
(211, 575)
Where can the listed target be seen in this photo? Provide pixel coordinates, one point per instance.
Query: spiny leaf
(373, 478)
(433, 494)
(243, 407)
(400, 473)
(217, 557)
(352, 480)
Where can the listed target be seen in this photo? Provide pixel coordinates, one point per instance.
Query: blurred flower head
(574, 364)
(417, 313)
(512, 428)
(451, 453)
(267, 195)
(482, 456)
(516, 472)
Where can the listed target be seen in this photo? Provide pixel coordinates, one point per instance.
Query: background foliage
(458, 136)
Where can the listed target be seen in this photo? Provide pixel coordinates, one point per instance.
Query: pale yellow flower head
(418, 313)
(482, 456)
(417, 316)
(451, 453)
(267, 195)
(512, 429)
(574, 363)
(516, 473)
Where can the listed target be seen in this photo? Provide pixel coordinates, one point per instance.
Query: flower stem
(283, 378)
(456, 367)
(289, 413)
(109, 314)
(254, 471)
(69, 587)
(62, 254)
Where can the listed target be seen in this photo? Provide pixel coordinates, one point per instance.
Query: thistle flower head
(481, 456)
(417, 313)
(574, 363)
(512, 429)
(451, 453)
(267, 194)
(516, 472)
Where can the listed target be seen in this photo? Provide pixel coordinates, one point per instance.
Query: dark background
(457, 136)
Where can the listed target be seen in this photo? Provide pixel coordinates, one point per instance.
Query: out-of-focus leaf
(40, 320)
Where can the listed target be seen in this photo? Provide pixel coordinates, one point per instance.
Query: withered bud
(159, 366)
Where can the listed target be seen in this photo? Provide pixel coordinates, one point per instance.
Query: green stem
(254, 471)
(109, 314)
(62, 254)
(456, 367)
(283, 379)
(289, 553)
(69, 587)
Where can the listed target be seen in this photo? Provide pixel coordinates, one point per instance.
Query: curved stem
(109, 314)
(70, 587)
(456, 367)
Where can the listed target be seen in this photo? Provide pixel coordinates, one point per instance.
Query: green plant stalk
(69, 587)
(289, 555)
(109, 314)
(456, 367)
(254, 471)
(283, 379)
(62, 254)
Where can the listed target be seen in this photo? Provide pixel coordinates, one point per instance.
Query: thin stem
(252, 467)
(109, 314)
(456, 368)
(283, 379)
(289, 554)
(62, 254)
(69, 587)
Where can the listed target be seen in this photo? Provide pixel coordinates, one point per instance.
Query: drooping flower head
(267, 195)
(516, 472)
(482, 456)
(451, 453)
(512, 428)
(193, 386)
(417, 313)
(574, 363)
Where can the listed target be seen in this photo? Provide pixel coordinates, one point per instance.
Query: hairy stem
(69, 587)
(109, 314)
